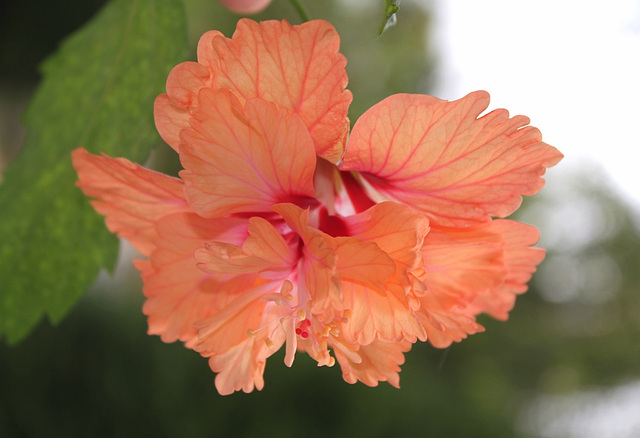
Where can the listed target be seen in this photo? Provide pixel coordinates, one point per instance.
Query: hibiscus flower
(279, 232)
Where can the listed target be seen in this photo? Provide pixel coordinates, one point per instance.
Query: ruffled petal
(485, 266)
(170, 120)
(173, 110)
(240, 337)
(373, 363)
(318, 284)
(473, 270)
(232, 324)
(350, 278)
(244, 159)
(264, 250)
(240, 368)
(294, 67)
(440, 158)
(373, 315)
(463, 262)
(519, 259)
(178, 293)
(362, 262)
(132, 198)
(445, 319)
(398, 230)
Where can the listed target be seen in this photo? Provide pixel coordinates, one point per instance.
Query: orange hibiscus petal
(350, 273)
(474, 270)
(519, 261)
(397, 229)
(318, 281)
(240, 368)
(230, 325)
(178, 293)
(132, 198)
(440, 158)
(376, 362)
(486, 265)
(363, 262)
(463, 262)
(244, 159)
(170, 120)
(375, 310)
(373, 315)
(294, 67)
(445, 320)
(264, 249)
(240, 337)
(173, 110)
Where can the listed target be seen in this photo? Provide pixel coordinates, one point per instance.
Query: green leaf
(390, 9)
(97, 92)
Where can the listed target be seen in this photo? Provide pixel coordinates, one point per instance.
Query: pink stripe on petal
(440, 158)
(240, 160)
(294, 67)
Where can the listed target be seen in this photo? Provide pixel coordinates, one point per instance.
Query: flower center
(302, 328)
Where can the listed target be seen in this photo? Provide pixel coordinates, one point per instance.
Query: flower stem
(304, 15)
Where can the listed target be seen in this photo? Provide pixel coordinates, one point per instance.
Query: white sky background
(572, 66)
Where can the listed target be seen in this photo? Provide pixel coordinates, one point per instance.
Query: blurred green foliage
(97, 92)
(99, 374)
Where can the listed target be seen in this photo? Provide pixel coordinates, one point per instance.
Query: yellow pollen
(251, 333)
(268, 342)
(301, 314)
(332, 361)
(325, 331)
(335, 331)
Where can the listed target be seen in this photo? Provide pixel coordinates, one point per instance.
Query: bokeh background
(567, 363)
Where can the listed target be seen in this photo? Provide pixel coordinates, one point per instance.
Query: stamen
(286, 288)
(283, 297)
(301, 314)
(268, 342)
(251, 333)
